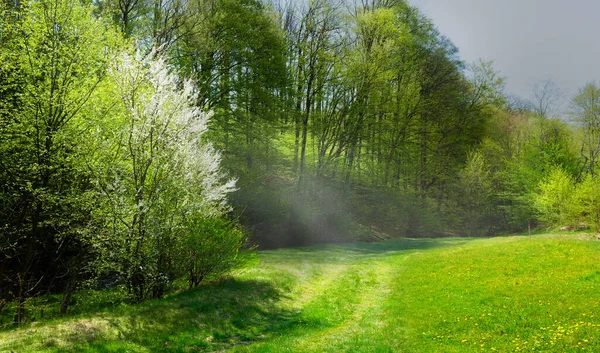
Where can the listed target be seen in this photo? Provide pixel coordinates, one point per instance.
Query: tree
(128, 15)
(585, 110)
(475, 194)
(58, 58)
(488, 85)
(155, 23)
(586, 202)
(554, 202)
(155, 170)
(547, 98)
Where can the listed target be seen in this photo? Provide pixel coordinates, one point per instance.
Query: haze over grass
(509, 294)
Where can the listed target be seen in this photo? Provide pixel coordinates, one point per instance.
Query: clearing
(507, 294)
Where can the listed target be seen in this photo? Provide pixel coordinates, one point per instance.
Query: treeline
(337, 116)
(343, 120)
(364, 123)
(384, 131)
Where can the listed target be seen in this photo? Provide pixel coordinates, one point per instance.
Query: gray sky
(528, 40)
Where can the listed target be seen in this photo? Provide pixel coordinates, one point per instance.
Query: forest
(145, 142)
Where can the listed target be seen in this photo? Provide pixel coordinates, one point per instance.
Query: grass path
(348, 308)
(513, 294)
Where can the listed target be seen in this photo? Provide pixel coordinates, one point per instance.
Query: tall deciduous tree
(475, 191)
(233, 52)
(546, 98)
(585, 109)
(59, 57)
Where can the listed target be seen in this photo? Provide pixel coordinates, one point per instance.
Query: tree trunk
(67, 295)
(20, 307)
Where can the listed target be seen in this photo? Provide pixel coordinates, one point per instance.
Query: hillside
(509, 294)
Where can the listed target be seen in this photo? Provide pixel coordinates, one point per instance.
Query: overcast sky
(528, 40)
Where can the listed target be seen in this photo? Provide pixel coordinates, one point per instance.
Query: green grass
(509, 294)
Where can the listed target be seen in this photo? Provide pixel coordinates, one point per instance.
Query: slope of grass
(510, 294)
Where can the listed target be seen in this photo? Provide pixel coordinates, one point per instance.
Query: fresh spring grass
(511, 294)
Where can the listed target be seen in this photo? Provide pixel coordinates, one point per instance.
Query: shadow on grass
(357, 250)
(203, 319)
(405, 244)
(215, 317)
(46, 308)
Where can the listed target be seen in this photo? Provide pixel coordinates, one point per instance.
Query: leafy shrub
(555, 201)
(475, 195)
(211, 249)
(586, 201)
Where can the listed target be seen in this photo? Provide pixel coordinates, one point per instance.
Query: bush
(556, 202)
(586, 201)
(211, 249)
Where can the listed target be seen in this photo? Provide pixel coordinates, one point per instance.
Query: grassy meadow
(506, 294)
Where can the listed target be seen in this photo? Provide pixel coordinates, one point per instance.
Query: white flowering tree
(156, 172)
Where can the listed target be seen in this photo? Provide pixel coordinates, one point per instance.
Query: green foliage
(587, 201)
(54, 57)
(211, 249)
(379, 102)
(488, 85)
(519, 151)
(475, 191)
(555, 199)
(562, 201)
